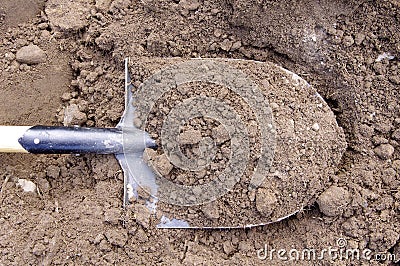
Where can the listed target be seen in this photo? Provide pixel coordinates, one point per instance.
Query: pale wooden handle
(9, 136)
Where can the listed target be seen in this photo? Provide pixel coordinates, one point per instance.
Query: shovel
(273, 164)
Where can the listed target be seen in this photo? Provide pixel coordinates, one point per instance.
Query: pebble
(217, 33)
(103, 5)
(266, 201)
(14, 66)
(72, 116)
(228, 247)
(142, 215)
(366, 131)
(226, 45)
(236, 45)
(112, 216)
(396, 134)
(348, 41)
(395, 79)
(45, 34)
(359, 38)
(9, 57)
(43, 26)
(190, 136)
(333, 201)
(66, 96)
(384, 151)
(53, 171)
(315, 127)
(396, 165)
(26, 185)
(31, 55)
(377, 140)
(163, 165)
(39, 249)
(220, 134)
(43, 184)
(117, 237)
(210, 211)
(190, 5)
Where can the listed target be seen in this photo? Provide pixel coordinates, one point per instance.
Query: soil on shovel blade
(61, 64)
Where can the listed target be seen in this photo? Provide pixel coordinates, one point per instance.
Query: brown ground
(77, 218)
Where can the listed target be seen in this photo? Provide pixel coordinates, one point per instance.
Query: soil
(347, 50)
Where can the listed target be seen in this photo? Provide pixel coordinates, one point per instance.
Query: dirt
(306, 147)
(347, 50)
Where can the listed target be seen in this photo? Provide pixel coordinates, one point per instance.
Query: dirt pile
(348, 50)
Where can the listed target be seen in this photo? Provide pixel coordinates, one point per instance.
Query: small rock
(315, 127)
(395, 79)
(366, 131)
(379, 68)
(348, 41)
(9, 57)
(337, 38)
(68, 16)
(141, 236)
(163, 165)
(190, 136)
(105, 246)
(26, 185)
(217, 33)
(384, 151)
(53, 171)
(228, 247)
(377, 140)
(66, 96)
(226, 45)
(236, 45)
(117, 237)
(359, 38)
(43, 26)
(98, 239)
(92, 77)
(220, 134)
(210, 211)
(266, 201)
(39, 249)
(31, 55)
(149, 155)
(103, 5)
(45, 34)
(333, 201)
(112, 216)
(190, 5)
(72, 116)
(142, 215)
(383, 127)
(14, 66)
(43, 184)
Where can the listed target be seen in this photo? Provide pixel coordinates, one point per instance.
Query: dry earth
(348, 50)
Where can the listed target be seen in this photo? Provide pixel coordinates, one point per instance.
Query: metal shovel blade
(240, 143)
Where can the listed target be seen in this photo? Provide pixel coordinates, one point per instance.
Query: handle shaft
(72, 140)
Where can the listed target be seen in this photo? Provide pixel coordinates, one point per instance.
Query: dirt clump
(333, 201)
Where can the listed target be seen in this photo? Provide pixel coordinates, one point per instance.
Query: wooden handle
(73, 140)
(9, 136)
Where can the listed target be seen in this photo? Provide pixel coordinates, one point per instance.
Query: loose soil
(347, 50)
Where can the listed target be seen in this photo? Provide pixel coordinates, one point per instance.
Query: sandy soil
(348, 50)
